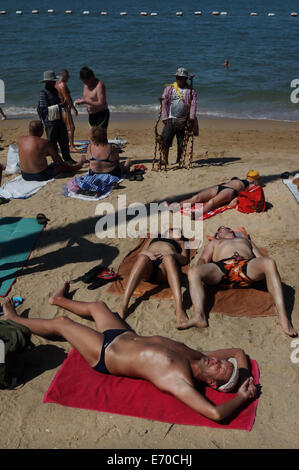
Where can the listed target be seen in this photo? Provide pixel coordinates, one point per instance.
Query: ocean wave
(153, 110)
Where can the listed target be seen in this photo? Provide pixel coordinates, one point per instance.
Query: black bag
(14, 338)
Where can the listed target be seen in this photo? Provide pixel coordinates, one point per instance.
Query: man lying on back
(33, 153)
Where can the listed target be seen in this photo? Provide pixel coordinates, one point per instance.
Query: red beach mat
(77, 385)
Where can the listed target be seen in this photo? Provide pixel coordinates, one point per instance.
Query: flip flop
(106, 276)
(108, 273)
(42, 219)
(92, 273)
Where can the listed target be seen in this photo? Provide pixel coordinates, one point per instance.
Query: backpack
(14, 338)
(252, 200)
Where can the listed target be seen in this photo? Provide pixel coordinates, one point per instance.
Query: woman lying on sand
(159, 262)
(221, 194)
(104, 157)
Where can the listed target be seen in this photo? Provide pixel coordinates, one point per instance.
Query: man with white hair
(114, 348)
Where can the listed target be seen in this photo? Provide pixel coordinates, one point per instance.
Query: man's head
(86, 75)
(98, 135)
(64, 75)
(222, 375)
(49, 78)
(181, 77)
(36, 128)
(224, 232)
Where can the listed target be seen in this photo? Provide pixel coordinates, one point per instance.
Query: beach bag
(12, 162)
(14, 338)
(252, 200)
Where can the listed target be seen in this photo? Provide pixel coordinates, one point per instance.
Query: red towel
(77, 385)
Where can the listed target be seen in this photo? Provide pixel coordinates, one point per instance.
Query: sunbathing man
(171, 366)
(160, 262)
(234, 261)
(33, 152)
(221, 194)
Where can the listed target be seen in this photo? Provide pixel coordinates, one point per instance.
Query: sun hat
(181, 72)
(234, 377)
(49, 76)
(253, 174)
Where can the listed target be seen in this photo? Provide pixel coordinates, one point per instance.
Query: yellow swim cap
(253, 174)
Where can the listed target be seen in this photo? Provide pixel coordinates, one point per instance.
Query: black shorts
(100, 119)
(170, 131)
(45, 175)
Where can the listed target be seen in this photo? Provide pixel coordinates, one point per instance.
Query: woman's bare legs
(141, 270)
(170, 272)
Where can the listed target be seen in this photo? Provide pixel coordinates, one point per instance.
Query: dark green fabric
(16, 338)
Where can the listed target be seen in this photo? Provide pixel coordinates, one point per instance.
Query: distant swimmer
(226, 64)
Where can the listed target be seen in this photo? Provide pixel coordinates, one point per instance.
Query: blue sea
(137, 55)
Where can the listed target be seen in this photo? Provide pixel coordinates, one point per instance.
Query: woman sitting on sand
(104, 157)
(224, 193)
(160, 262)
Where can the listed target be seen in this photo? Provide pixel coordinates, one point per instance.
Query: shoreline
(116, 116)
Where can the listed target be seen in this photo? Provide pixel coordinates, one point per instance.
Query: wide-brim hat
(49, 76)
(181, 72)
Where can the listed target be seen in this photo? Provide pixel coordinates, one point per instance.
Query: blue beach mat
(17, 240)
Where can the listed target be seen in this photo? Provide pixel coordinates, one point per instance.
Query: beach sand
(69, 247)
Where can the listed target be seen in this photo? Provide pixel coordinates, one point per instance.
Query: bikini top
(173, 242)
(101, 160)
(245, 182)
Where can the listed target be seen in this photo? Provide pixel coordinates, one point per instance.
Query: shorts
(234, 272)
(45, 175)
(170, 131)
(100, 119)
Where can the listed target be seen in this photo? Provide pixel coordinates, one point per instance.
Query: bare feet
(61, 293)
(198, 320)
(181, 318)
(287, 327)
(9, 310)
